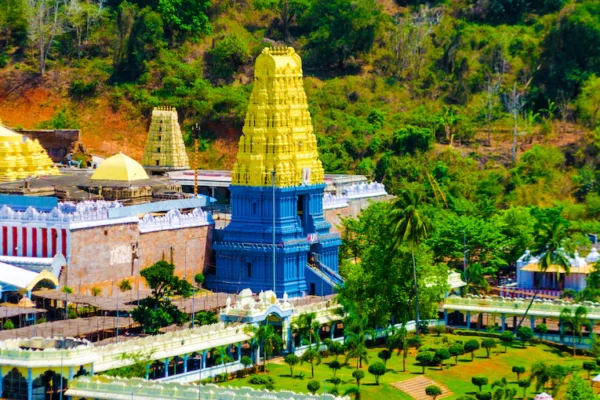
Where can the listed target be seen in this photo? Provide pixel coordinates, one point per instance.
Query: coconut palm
(308, 327)
(410, 226)
(356, 335)
(574, 321)
(267, 337)
(551, 252)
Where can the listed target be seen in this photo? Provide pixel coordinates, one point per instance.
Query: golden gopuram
(164, 150)
(278, 133)
(21, 157)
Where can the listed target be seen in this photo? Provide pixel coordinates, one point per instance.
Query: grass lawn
(456, 378)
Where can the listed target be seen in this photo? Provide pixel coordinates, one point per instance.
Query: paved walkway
(415, 388)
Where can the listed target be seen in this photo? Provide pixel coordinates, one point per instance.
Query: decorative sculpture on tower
(277, 182)
(21, 157)
(165, 150)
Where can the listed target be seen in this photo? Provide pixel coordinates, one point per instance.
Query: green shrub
(377, 369)
(433, 391)
(412, 140)
(313, 386)
(260, 380)
(81, 88)
(206, 381)
(9, 325)
(479, 381)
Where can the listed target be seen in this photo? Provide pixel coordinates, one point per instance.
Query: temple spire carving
(278, 133)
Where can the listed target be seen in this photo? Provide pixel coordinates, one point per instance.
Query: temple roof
(278, 133)
(164, 148)
(119, 168)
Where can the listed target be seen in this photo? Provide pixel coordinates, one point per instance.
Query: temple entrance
(302, 213)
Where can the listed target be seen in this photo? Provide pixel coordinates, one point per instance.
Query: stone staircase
(416, 388)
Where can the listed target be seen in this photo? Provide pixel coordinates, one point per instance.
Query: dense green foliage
(158, 311)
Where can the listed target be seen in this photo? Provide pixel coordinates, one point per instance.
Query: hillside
(425, 98)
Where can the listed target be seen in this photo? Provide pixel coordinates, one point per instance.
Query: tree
(185, 17)
(384, 355)
(8, 325)
(222, 357)
(356, 339)
(270, 340)
(488, 344)
(335, 366)
(589, 366)
(574, 321)
(525, 334)
(517, 369)
(471, 346)
(308, 327)
(205, 318)
(411, 140)
(514, 103)
(96, 291)
(291, 360)
(524, 383)
(588, 102)
(355, 390)
(455, 350)
(578, 389)
(157, 311)
(377, 369)
(410, 226)
(144, 42)
(335, 348)
(399, 340)
(507, 338)
(358, 375)
(541, 329)
(484, 396)
(313, 386)
(311, 356)
(340, 29)
(479, 381)
(504, 392)
(442, 355)
(246, 361)
(433, 391)
(45, 22)
(425, 358)
(226, 57)
(288, 10)
(448, 120)
(80, 17)
(199, 279)
(67, 290)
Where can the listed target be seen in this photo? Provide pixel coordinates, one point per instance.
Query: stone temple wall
(102, 256)
(353, 209)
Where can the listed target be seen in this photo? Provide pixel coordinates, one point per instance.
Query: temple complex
(165, 150)
(278, 235)
(21, 157)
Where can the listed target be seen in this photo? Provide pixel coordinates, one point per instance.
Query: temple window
(157, 163)
(158, 149)
(249, 269)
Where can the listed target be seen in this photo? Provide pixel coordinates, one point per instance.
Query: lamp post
(274, 264)
(196, 136)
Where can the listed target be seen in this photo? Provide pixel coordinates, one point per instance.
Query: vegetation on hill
(479, 107)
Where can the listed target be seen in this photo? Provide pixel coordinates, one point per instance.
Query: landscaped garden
(552, 368)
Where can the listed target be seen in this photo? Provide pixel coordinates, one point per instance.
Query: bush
(442, 355)
(517, 369)
(483, 396)
(412, 140)
(426, 358)
(525, 334)
(41, 320)
(260, 380)
(335, 380)
(433, 391)
(589, 366)
(9, 325)
(325, 353)
(456, 350)
(80, 88)
(246, 361)
(358, 375)
(291, 360)
(199, 279)
(313, 386)
(439, 329)
(335, 366)
(488, 344)
(206, 381)
(378, 369)
(471, 346)
(479, 381)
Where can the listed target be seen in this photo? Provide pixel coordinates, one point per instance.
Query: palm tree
(223, 358)
(356, 335)
(504, 392)
(551, 253)
(308, 327)
(311, 355)
(269, 339)
(411, 227)
(399, 340)
(574, 321)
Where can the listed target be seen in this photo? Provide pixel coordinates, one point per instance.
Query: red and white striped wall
(34, 241)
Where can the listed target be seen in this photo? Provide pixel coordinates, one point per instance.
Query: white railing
(174, 219)
(370, 189)
(331, 201)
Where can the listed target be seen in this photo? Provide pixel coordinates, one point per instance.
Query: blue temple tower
(277, 169)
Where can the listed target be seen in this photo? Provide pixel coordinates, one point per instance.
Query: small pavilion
(530, 276)
(14, 280)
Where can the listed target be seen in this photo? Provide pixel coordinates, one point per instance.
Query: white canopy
(23, 279)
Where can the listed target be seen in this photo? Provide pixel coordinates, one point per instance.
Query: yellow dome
(119, 168)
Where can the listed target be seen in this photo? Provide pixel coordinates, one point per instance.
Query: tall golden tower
(21, 157)
(165, 150)
(278, 133)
